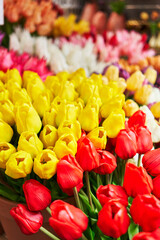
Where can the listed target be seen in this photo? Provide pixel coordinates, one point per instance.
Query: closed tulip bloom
(14, 75)
(6, 150)
(144, 140)
(156, 184)
(67, 221)
(142, 94)
(87, 156)
(112, 73)
(68, 92)
(107, 162)
(70, 127)
(53, 83)
(145, 211)
(143, 183)
(155, 109)
(42, 103)
(69, 174)
(27, 119)
(113, 219)
(147, 235)
(7, 110)
(19, 165)
(126, 146)
(77, 77)
(35, 87)
(6, 132)
(28, 222)
(151, 75)
(65, 145)
(45, 164)
(12, 87)
(29, 142)
(20, 96)
(151, 162)
(4, 94)
(28, 76)
(130, 107)
(98, 137)
(37, 196)
(88, 89)
(135, 81)
(137, 119)
(49, 117)
(114, 123)
(48, 136)
(109, 192)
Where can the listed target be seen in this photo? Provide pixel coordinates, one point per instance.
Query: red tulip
(67, 221)
(87, 156)
(145, 211)
(137, 119)
(126, 146)
(107, 162)
(151, 162)
(113, 220)
(136, 180)
(29, 222)
(156, 186)
(108, 192)
(144, 140)
(38, 197)
(147, 235)
(69, 174)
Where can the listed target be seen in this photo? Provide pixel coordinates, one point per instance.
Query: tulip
(45, 164)
(130, 107)
(122, 84)
(142, 94)
(108, 91)
(107, 162)
(37, 196)
(87, 156)
(114, 123)
(27, 118)
(112, 192)
(4, 94)
(147, 235)
(7, 110)
(98, 137)
(52, 83)
(155, 109)
(151, 75)
(20, 96)
(137, 119)
(145, 211)
(156, 189)
(29, 142)
(70, 127)
(28, 76)
(68, 92)
(14, 75)
(113, 220)
(112, 73)
(6, 132)
(135, 81)
(42, 103)
(151, 162)
(6, 150)
(69, 174)
(67, 221)
(19, 165)
(143, 183)
(126, 146)
(65, 145)
(48, 136)
(35, 87)
(144, 140)
(49, 117)
(77, 77)
(29, 222)
(88, 89)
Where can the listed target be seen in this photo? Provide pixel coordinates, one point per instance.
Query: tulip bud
(144, 140)
(151, 162)
(19, 165)
(147, 235)
(28, 76)
(45, 164)
(12, 87)
(77, 77)
(70, 127)
(156, 190)
(29, 142)
(6, 132)
(48, 136)
(63, 76)
(2, 76)
(130, 107)
(112, 73)
(7, 110)
(114, 123)
(151, 75)
(122, 84)
(14, 75)
(37, 196)
(145, 211)
(135, 81)
(155, 109)
(98, 137)
(143, 184)
(49, 117)
(68, 92)
(42, 103)
(20, 96)
(88, 89)
(142, 94)
(137, 119)
(4, 94)
(6, 149)
(108, 91)
(67, 221)
(65, 145)
(28, 222)
(27, 118)
(52, 83)
(35, 87)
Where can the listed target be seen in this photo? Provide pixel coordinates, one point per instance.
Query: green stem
(49, 234)
(98, 180)
(48, 210)
(76, 197)
(88, 189)
(110, 178)
(107, 179)
(83, 237)
(139, 160)
(123, 171)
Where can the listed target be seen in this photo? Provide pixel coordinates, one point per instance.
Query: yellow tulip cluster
(49, 117)
(65, 26)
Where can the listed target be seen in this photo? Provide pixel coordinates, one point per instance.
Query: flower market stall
(79, 125)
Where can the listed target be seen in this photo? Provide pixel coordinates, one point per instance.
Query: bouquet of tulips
(68, 136)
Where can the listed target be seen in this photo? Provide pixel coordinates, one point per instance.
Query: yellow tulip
(6, 132)
(67, 91)
(20, 96)
(4, 94)
(77, 77)
(106, 93)
(7, 110)
(2, 76)
(98, 137)
(48, 136)
(65, 145)
(135, 81)
(53, 84)
(114, 123)
(45, 164)
(70, 127)
(155, 109)
(97, 78)
(28, 76)
(151, 75)
(12, 86)
(122, 85)
(88, 89)
(35, 87)
(14, 75)
(6, 149)
(130, 107)
(19, 165)
(29, 142)
(142, 94)
(27, 119)
(49, 117)
(63, 76)
(42, 103)
(112, 73)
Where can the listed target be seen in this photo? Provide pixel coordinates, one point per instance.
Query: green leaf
(96, 202)
(133, 229)
(89, 233)
(8, 193)
(118, 6)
